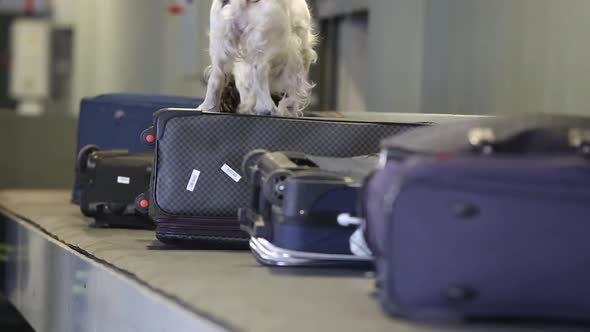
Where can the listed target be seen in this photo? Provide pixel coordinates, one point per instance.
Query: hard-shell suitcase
(110, 182)
(115, 121)
(484, 219)
(300, 208)
(197, 187)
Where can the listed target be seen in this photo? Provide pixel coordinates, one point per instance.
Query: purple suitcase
(484, 219)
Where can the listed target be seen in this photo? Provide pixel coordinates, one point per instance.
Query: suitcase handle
(580, 140)
(485, 140)
(347, 220)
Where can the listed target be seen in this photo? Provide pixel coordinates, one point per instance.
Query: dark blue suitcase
(484, 219)
(300, 205)
(116, 121)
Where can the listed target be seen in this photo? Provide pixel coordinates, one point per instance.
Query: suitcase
(115, 121)
(484, 219)
(300, 205)
(110, 183)
(196, 186)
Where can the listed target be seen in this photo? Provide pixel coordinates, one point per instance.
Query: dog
(263, 49)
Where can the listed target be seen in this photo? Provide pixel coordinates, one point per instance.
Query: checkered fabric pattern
(207, 142)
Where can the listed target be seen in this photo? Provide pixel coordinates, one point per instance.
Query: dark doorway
(5, 100)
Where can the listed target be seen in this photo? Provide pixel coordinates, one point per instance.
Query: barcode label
(192, 183)
(231, 173)
(123, 180)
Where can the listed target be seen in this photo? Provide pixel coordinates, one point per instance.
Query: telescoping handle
(486, 141)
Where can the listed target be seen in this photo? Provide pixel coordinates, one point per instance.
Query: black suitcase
(302, 206)
(113, 184)
(115, 121)
(196, 187)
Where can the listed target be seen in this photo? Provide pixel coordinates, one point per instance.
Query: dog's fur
(266, 47)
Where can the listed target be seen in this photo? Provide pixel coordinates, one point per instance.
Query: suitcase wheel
(274, 187)
(116, 209)
(148, 136)
(142, 204)
(86, 211)
(250, 162)
(82, 159)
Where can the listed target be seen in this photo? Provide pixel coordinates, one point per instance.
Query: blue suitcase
(300, 208)
(484, 219)
(116, 121)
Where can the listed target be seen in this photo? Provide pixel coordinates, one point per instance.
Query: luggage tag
(231, 173)
(192, 183)
(123, 180)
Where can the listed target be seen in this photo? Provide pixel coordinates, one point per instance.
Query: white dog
(268, 47)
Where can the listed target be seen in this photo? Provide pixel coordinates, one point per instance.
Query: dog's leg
(297, 88)
(221, 59)
(289, 107)
(215, 85)
(243, 75)
(264, 105)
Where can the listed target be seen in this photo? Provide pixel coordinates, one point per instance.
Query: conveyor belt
(65, 276)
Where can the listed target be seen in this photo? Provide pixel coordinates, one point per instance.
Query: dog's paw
(265, 112)
(287, 108)
(245, 109)
(268, 111)
(207, 108)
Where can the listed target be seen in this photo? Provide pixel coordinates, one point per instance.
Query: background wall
(138, 46)
(485, 56)
(434, 56)
(396, 51)
(479, 56)
(118, 46)
(430, 56)
(37, 152)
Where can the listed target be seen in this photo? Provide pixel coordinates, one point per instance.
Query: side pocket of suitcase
(379, 190)
(394, 249)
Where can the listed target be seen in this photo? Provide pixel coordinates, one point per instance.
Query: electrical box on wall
(29, 81)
